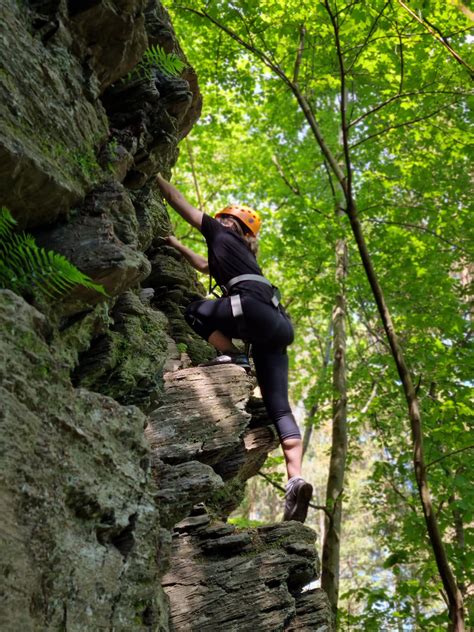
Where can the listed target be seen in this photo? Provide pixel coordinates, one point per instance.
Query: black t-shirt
(229, 256)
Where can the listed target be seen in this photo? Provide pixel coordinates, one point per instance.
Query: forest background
(386, 86)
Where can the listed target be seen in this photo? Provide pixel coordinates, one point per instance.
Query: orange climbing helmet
(248, 217)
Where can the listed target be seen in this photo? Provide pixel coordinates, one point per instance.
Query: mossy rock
(225, 500)
(127, 362)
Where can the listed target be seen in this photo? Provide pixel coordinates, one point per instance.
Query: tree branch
(343, 102)
(445, 456)
(302, 101)
(417, 227)
(264, 58)
(399, 493)
(437, 36)
(299, 54)
(402, 60)
(372, 396)
(293, 187)
(403, 96)
(399, 125)
(369, 35)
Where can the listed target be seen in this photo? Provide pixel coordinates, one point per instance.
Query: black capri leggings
(270, 332)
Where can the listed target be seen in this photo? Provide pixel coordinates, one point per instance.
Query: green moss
(70, 340)
(226, 499)
(245, 523)
(197, 349)
(71, 162)
(127, 363)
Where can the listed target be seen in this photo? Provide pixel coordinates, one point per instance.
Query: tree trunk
(337, 463)
(455, 600)
(319, 387)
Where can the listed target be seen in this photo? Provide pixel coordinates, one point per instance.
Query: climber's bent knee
(197, 322)
(286, 428)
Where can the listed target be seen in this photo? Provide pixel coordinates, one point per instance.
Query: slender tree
(337, 462)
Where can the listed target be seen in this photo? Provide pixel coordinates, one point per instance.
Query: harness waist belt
(247, 277)
(252, 277)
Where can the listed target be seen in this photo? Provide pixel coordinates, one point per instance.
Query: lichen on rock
(126, 362)
(79, 519)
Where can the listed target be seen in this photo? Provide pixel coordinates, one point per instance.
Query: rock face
(121, 458)
(203, 415)
(80, 524)
(223, 578)
(203, 422)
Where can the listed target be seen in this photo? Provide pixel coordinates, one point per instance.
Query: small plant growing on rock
(26, 268)
(155, 57)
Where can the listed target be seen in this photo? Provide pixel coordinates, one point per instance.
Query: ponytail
(251, 241)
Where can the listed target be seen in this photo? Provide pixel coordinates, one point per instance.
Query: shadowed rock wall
(244, 580)
(80, 525)
(95, 510)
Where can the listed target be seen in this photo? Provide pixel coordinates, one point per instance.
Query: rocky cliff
(121, 459)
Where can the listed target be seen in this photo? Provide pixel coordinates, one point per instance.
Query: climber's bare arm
(197, 261)
(177, 200)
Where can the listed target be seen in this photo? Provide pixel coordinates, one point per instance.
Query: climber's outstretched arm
(198, 262)
(177, 200)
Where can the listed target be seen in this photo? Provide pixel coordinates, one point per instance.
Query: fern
(155, 57)
(169, 63)
(26, 267)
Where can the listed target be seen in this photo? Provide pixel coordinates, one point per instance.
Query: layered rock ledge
(244, 580)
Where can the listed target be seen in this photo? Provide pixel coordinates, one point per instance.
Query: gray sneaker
(297, 501)
(240, 359)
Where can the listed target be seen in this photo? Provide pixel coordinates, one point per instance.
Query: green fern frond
(7, 223)
(25, 266)
(155, 57)
(168, 63)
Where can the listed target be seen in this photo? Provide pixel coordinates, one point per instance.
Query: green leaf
(25, 267)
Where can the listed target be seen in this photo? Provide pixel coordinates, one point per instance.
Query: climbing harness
(236, 301)
(252, 277)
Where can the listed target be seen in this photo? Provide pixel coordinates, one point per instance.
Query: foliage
(408, 104)
(155, 57)
(26, 268)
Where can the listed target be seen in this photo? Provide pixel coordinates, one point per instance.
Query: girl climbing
(249, 310)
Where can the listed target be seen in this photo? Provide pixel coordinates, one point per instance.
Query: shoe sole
(303, 498)
(211, 363)
(246, 367)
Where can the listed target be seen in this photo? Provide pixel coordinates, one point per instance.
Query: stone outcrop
(202, 429)
(80, 523)
(62, 115)
(96, 510)
(84, 528)
(241, 581)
